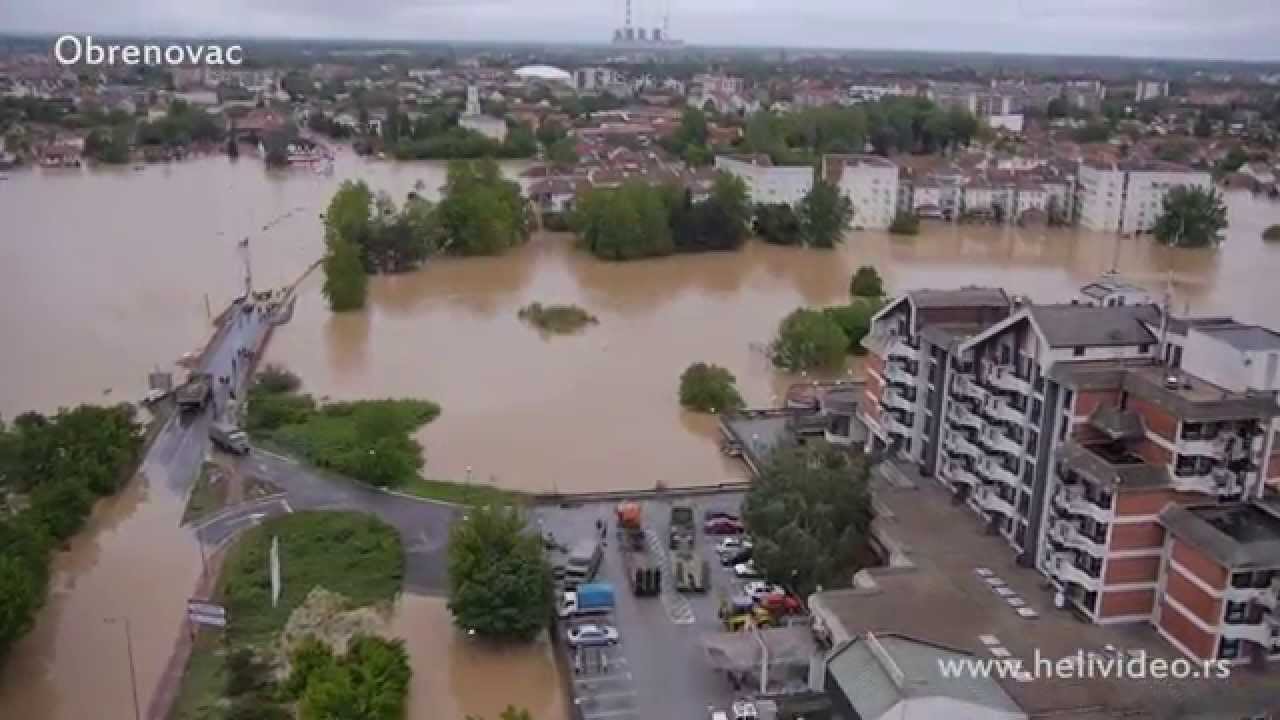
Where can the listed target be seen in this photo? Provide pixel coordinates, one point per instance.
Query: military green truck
(691, 571)
(682, 529)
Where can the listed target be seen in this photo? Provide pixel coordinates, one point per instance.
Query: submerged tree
(345, 282)
(824, 213)
(1192, 217)
(809, 340)
(499, 581)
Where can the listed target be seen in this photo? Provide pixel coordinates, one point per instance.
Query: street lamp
(133, 673)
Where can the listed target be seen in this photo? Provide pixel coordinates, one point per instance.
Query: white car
(746, 570)
(592, 635)
(757, 589)
(733, 544)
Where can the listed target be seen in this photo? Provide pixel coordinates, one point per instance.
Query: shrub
(905, 223)
(809, 340)
(709, 388)
(866, 283)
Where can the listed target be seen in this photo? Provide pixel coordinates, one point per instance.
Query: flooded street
(455, 677)
(104, 275)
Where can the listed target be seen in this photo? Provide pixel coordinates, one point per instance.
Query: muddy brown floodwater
(103, 276)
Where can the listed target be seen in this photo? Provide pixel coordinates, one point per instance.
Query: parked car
(714, 514)
(746, 570)
(732, 544)
(759, 589)
(740, 555)
(723, 526)
(592, 635)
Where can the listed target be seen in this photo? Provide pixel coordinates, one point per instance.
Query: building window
(1236, 612)
(1143, 349)
(1077, 351)
(1229, 648)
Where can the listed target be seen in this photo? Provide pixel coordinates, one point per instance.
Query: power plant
(633, 37)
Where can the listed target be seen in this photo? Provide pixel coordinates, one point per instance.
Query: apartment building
(766, 182)
(871, 184)
(1220, 581)
(1071, 430)
(1128, 198)
(910, 349)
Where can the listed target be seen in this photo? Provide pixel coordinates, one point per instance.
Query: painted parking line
(629, 712)
(604, 678)
(679, 611)
(598, 697)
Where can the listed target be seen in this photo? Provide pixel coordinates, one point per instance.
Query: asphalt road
(423, 525)
(181, 445)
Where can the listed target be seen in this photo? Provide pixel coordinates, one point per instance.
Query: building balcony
(892, 426)
(895, 375)
(898, 348)
(997, 409)
(1004, 378)
(1069, 502)
(964, 386)
(990, 502)
(998, 473)
(893, 398)
(1067, 534)
(1212, 447)
(1268, 597)
(957, 444)
(1218, 481)
(1265, 632)
(955, 472)
(960, 415)
(999, 442)
(1061, 568)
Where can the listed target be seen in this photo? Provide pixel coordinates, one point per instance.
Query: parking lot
(658, 669)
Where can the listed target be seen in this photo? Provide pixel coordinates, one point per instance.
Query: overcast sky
(1234, 29)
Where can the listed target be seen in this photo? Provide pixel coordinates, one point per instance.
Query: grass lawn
(354, 554)
(209, 494)
(460, 493)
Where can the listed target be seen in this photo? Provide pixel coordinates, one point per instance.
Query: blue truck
(587, 599)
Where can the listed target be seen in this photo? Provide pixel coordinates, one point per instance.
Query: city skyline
(1228, 30)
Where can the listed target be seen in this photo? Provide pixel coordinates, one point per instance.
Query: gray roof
(1099, 471)
(962, 297)
(1238, 536)
(1179, 325)
(876, 672)
(1074, 325)
(949, 335)
(1244, 337)
(1118, 424)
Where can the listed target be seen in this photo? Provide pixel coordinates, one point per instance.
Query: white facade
(1101, 198)
(1011, 122)
(596, 79)
(1144, 196)
(1031, 197)
(472, 119)
(767, 183)
(1150, 90)
(1253, 364)
(978, 198)
(871, 184)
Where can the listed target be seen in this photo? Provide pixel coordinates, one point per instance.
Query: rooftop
(942, 599)
(1087, 325)
(877, 672)
(962, 297)
(1238, 536)
(1105, 465)
(1243, 337)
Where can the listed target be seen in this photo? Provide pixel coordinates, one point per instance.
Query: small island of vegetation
(557, 319)
(480, 213)
(709, 389)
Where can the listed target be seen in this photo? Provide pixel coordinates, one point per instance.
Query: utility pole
(133, 673)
